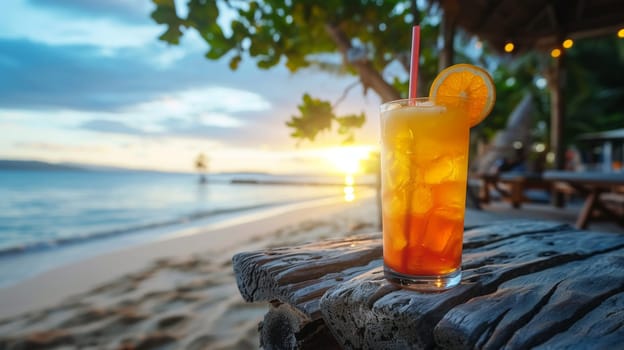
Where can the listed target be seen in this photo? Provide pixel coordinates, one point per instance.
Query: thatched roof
(540, 24)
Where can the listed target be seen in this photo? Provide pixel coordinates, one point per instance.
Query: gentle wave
(65, 241)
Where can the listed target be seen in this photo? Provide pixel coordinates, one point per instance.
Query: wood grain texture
(525, 284)
(300, 275)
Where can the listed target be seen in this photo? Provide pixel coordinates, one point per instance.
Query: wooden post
(449, 24)
(557, 111)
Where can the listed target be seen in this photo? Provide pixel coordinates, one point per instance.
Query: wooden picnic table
(525, 284)
(592, 185)
(516, 183)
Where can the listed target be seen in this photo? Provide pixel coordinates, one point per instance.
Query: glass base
(424, 283)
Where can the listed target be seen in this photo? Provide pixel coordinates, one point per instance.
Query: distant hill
(34, 165)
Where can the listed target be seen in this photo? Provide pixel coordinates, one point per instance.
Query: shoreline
(227, 236)
(49, 212)
(23, 264)
(188, 219)
(236, 181)
(193, 218)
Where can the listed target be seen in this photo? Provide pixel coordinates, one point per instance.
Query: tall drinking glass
(424, 163)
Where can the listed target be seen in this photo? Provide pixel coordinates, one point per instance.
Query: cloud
(36, 75)
(110, 126)
(220, 120)
(190, 97)
(84, 77)
(196, 101)
(216, 120)
(60, 23)
(68, 77)
(212, 112)
(57, 147)
(130, 11)
(218, 127)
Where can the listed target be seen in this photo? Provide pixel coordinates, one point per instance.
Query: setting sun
(347, 159)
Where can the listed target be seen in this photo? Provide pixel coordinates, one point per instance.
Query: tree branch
(415, 12)
(369, 76)
(404, 60)
(344, 93)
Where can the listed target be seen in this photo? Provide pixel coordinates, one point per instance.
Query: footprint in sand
(172, 323)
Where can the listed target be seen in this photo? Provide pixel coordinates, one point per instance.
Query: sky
(88, 81)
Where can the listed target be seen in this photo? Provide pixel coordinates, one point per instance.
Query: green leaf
(172, 35)
(235, 61)
(349, 122)
(315, 116)
(165, 13)
(268, 61)
(347, 125)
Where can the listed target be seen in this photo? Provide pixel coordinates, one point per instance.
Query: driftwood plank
(300, 275)
(294, 279)
(529, 310)
(601, 328)
(366, 313)
(517, 277)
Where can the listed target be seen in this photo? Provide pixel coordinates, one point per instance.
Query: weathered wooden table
(526, 284)
(592, 185)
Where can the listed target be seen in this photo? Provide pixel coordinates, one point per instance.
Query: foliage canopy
(360, 37)
(367, 38)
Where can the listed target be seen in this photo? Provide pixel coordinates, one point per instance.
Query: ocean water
(49, 218)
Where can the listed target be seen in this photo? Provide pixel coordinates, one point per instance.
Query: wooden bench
(525, 284)
(511, 186)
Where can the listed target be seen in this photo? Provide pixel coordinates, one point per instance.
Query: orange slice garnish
(472, 83)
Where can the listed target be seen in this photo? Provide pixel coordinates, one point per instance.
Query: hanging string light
(509, 47)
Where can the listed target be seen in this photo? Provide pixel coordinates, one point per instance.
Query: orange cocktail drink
(424, 167)
(424, 170)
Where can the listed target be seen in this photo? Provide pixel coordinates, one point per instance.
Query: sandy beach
(177, 293)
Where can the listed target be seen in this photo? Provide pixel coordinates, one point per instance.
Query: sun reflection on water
(349, 190)
(349, 180)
